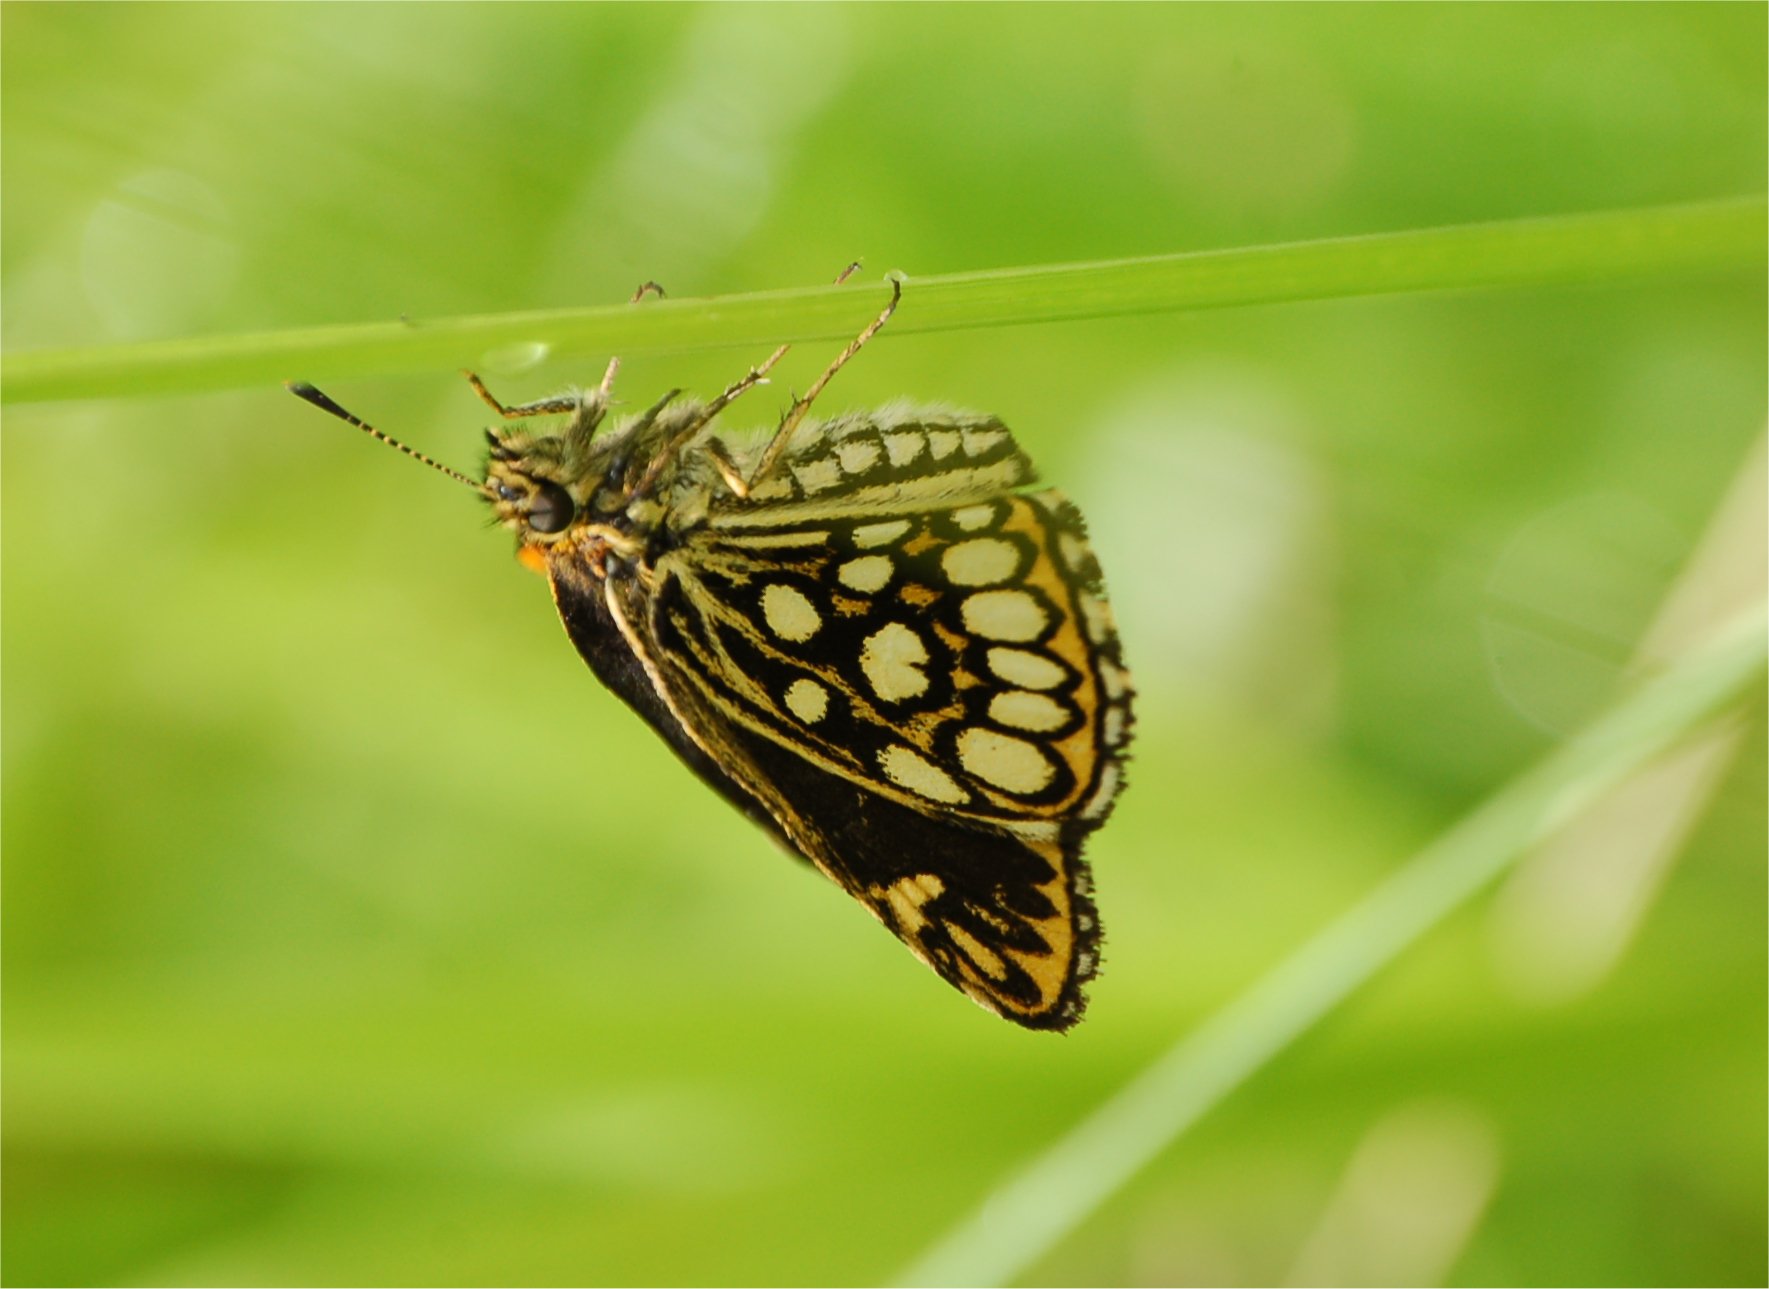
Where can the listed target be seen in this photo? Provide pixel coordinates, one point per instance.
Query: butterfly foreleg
(776, 448)
(755, 376)
(557, 405)
(589, 407)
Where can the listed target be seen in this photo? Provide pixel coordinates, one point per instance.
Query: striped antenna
(301, 389)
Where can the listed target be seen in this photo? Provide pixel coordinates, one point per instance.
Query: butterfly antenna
(301, 389)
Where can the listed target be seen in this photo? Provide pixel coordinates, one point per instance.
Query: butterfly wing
(913, 681)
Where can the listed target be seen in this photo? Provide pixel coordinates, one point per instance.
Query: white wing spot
(971, 518)
(912, 771)
(1004, 615)
(1101, 800)
(904, 448)
(790, 614)
(793, 537)
(807, 700)
(978, 441)
(1074, 551)
(906, 895)
(1097, 617)
(892, 658)
(1114, 726)
(1011, 764)
(866, 574)
(818, 476)
(1030, 670)
(858, 457)
(1115, 678)
(986, 959)
(981, 561)
(942, 443)
(1027, 711)
(869, 535)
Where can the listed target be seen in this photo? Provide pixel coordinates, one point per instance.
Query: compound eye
(550, 509)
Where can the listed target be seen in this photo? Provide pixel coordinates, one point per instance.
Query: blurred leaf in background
(352, 934)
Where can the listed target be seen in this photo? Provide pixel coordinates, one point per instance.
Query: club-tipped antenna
(302, 390)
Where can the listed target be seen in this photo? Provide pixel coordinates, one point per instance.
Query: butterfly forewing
(914, 671)
(959, 661)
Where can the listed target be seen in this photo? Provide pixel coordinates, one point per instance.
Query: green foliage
(353, 935)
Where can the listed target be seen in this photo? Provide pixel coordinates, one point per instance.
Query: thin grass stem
(1715, 236)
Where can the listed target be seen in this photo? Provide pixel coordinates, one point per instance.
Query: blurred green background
(353, 935)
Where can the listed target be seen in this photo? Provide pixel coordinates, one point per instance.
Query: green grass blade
(1026, 1217)
(1573, 248)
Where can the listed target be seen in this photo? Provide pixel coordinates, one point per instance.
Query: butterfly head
(531, 485)
(538, 484)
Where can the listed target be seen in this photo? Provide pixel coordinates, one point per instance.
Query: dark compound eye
(550, 509)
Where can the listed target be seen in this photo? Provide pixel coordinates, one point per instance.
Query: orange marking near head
(533, 558)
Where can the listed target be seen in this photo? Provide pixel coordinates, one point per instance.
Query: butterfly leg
(760, 371)
(777, 445)
(586, 408)
(559, 404)
(556, 405)
(727, 468)
(755, 376)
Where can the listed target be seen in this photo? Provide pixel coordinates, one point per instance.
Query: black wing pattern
(910, 673)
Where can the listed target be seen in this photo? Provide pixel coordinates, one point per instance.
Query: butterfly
(867, 633)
